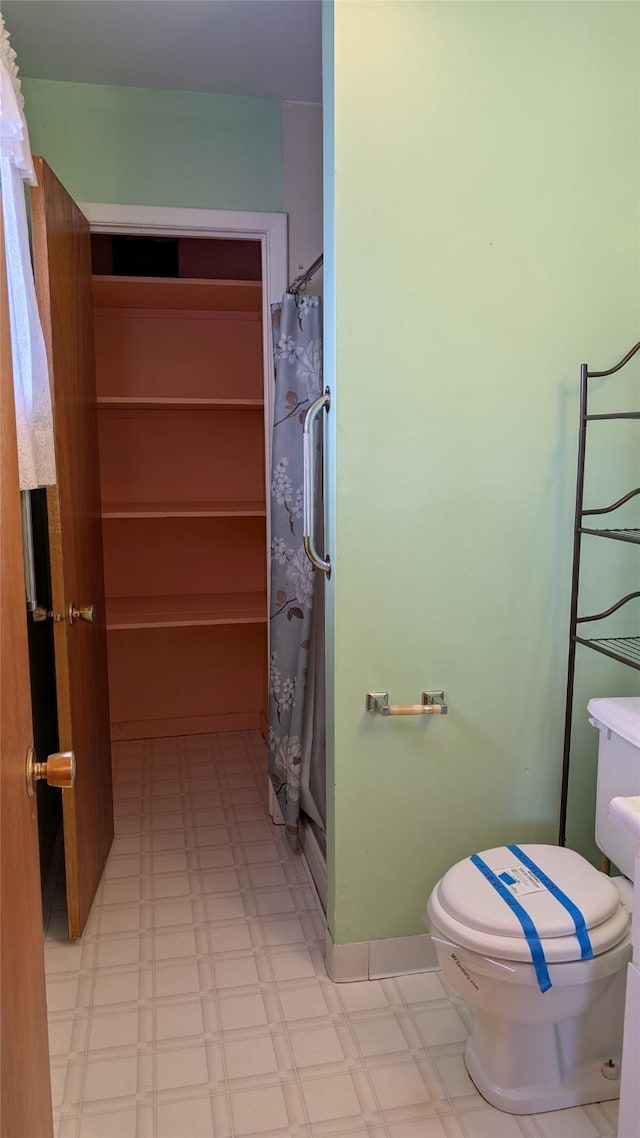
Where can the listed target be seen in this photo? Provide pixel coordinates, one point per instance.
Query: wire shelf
(632, 535)
(626, 649)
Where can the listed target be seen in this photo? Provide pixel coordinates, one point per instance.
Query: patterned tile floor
(197, 1004)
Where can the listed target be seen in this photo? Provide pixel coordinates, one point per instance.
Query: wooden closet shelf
(183, 510)
(177, 293)
(186, 611)
(173, 403)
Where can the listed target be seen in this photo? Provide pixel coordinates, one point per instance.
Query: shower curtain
(296, 671)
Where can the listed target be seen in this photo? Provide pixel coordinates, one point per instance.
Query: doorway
(268, 232)
(138, 273)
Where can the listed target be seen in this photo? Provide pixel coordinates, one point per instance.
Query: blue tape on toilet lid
(582, 932)
(473, 902)
(503, 889)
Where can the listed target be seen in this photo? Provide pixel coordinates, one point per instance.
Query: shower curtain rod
(305, 277)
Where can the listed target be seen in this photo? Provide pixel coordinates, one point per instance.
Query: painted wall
(146, 147)
(484, 185)
(123, 144)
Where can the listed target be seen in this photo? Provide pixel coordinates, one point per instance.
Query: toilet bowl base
(531, 1068)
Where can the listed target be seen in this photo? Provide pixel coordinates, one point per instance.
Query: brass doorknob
(58, 770)
(87, 612)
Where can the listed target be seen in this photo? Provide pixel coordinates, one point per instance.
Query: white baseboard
(366, 960)
(378, 959)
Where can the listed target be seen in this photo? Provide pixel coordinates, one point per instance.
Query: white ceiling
(264, 48)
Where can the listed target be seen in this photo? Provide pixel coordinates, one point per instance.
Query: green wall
(145, 147)
(483, 177)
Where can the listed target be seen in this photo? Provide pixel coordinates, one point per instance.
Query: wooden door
(62, 265)
(25, 1094)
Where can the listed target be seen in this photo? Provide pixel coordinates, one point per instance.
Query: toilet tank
(618, 721)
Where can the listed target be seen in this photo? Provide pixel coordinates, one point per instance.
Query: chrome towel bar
(432, 704)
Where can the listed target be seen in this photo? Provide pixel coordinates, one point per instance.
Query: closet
(180, 395)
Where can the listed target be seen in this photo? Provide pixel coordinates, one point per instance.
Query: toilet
(537, 942)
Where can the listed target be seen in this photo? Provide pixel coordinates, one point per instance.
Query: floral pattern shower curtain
(297, 347)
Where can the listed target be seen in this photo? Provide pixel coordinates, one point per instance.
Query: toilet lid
(584, 907)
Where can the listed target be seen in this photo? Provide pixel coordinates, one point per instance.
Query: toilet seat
(468, 910)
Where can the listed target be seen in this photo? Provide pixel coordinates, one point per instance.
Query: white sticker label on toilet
(520, 880)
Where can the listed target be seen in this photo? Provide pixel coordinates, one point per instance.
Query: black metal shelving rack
(625, 649)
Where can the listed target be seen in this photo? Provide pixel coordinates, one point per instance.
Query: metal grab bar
(308, 488)
(432, 704)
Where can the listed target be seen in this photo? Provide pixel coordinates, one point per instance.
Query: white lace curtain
(34, 420)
